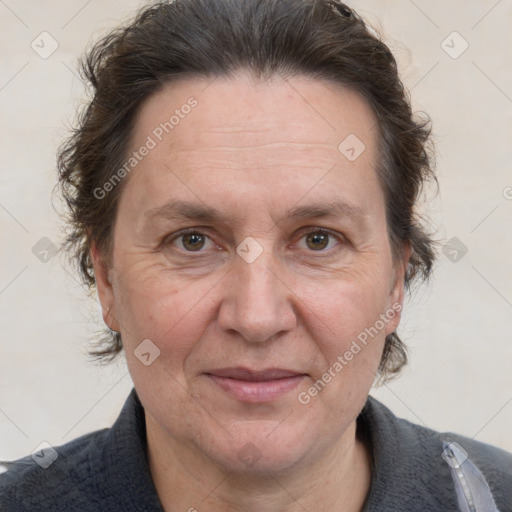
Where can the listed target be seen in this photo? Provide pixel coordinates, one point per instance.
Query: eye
(316, 239)
(319, 239)
(192, 241)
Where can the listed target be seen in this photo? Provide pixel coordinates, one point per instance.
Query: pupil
(318, 240)
(193, 241)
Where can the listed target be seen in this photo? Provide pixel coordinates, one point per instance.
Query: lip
(255, 386)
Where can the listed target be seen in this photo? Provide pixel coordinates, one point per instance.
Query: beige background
(459, 328)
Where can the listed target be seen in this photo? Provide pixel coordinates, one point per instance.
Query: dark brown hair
(321, 39)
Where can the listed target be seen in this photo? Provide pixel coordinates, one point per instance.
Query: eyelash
(194, 231)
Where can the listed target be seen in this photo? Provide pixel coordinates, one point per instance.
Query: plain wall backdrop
(454, 57)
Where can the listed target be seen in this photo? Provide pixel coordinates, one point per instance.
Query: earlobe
(104, 288)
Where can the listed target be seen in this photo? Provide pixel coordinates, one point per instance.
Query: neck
(185, 479)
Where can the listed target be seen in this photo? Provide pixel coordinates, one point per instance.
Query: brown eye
(317, 240)
(193, 241)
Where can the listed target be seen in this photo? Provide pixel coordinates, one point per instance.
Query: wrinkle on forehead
(317, 112)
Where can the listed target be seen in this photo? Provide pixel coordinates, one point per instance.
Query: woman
(241, 191)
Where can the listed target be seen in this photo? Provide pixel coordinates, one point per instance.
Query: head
(242, 191)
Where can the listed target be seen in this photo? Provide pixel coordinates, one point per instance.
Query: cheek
(150, 305)
(173, 317)
(346, 327)
(344, 319)
(344, 306)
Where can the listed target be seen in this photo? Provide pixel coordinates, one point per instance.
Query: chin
(260, 448)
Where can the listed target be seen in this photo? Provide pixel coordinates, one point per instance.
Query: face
(251, 249)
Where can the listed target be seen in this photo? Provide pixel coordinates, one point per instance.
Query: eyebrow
(182, 210)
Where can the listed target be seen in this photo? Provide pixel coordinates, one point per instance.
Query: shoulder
(433, 469)
(494, 462)
(106, 470)
(63, 473)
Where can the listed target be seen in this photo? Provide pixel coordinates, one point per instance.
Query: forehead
(250, 112)
(260, 138)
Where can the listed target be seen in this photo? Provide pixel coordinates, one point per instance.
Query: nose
(257, 303)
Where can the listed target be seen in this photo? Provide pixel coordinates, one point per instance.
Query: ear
(397, 292)
(105, 290)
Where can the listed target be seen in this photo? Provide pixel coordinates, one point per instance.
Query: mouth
(255, 386)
